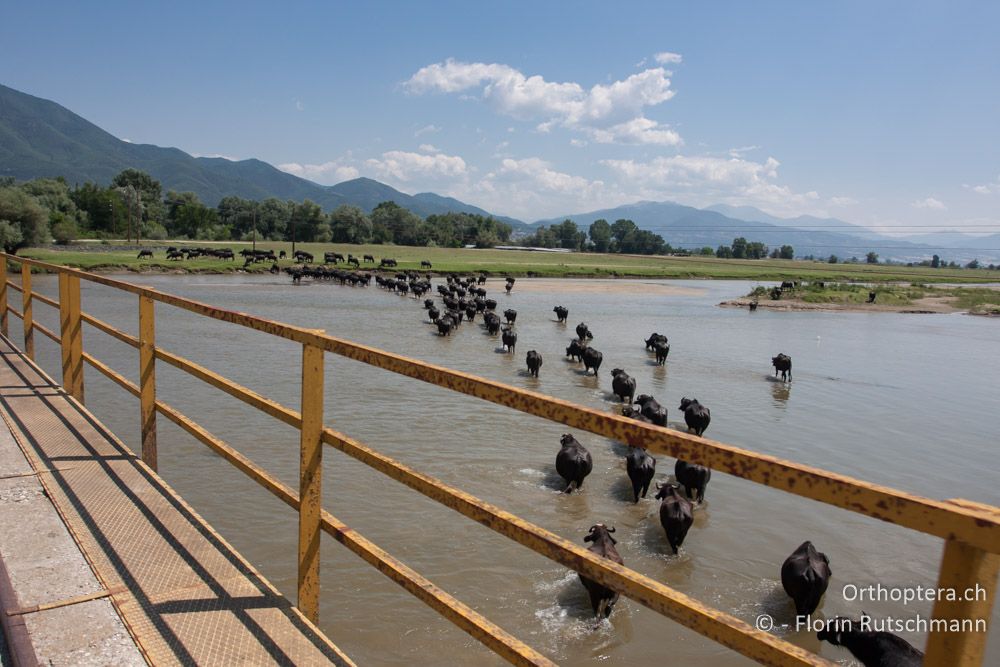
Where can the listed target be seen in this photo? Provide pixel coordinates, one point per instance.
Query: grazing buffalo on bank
(696, 416)
(592, 360)
(623, 385)
(872, 648)
(640, 467)
(675, 515)
(145, 252)
(573, 462)
(783, 364)
(602, 598)
(693, 477)
(534, 362)
(652, 410)
(804, 576)
(561, 313)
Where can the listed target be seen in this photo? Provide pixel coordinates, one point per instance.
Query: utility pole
(253, 221)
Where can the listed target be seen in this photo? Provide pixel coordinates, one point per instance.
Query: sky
(883, 114)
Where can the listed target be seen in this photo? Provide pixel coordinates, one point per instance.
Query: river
(905, 400)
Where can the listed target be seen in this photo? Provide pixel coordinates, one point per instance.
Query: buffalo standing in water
(640, 467)
(675, 515)
(509, 339)
(694, 477)
(696, 416)
(561, 313)
(592, 359)
(534, 362)
(782, 363)
(583, 331)
(623, 385)
(873, 649)
(652, 410)
(573, 463)
(602, 598)
(805, 575)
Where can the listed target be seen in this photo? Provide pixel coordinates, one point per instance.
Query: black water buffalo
(428, 303)
(491, 304)
(629, 411)
(575, 350)
(623, 385)
(369, 258)
(145, 252)
(573, 462)
(805, 575)
(561, 313)
(782, 363)
(424, 264)
(652, 410)
(175, 254)
(302, 256)
(653, 338)
(753, 305)
(787, 285)
(602, 598)
(591, 359)
(583, 332)
(696, 416)
(662, 349)
(510, 315)
(470, 312)
(640, 467)
(509, 339)
(387, 261)
(433, 313)
(351, 259)
(694, 477)
(872, 648)
(534, 362)
(444, 325)
(675, 515)
(492, 322)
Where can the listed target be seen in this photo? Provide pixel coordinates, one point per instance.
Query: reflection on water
(902, 400)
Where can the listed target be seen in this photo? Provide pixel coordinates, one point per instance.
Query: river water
(908, 401)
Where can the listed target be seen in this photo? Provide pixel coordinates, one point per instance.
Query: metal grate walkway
(186, 596)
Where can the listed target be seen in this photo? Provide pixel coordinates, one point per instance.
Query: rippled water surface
(908, 401)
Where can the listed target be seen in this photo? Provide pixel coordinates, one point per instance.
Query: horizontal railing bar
(234, 389)
(712, 623)
(476, 625)
(15, 286)
(15, 312)
(46, 332)
(934, 517)
(110, 330)
(44, 299)
(112, 375)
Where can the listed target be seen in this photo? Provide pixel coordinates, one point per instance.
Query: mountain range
(40, 138)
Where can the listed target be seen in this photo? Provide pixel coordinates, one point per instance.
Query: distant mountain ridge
(39, 138)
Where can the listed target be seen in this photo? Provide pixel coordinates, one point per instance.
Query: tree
(308, 223)
(739, 248)
(143, 195)
(569, 236)
(974, 264)
(833, 259)
(724, 252)
(401, 225)
(872, 257)
(600, 235)
(786, 252)
(23, 220)
(935, 262)
(187, 216)
(707, 251)
(101, 210)
(756, 250)
(349, 224)
(621, 229)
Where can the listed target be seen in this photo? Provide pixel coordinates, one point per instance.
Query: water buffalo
(175, 254)
(573, 463)
(428, 303)
(694, 477)
(510, 315)
(653, 338)
(805, 575)
(782, 363)
(492, 321)
(662, 349)
(696, 416)
(753, 305)
(583, 332)
(640, 467)
(591, 359)
(623, 385)
(369, 258)
(424, 264)
(145, 252)
(561, 313)
(872, 648)
(602, 598)
(652, 410)
(444, 325)
(433, 313)
(629, 411)
(675, 514)
(470, 312)
(387, 261)
(351, 259)
(509, 339)
(534, 362)
(302, 256)
(575, 349)
(491, 304)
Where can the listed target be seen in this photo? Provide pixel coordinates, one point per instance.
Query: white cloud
(930, 202)
(328, 173)
(405, 166)
(127, 141)
(428, 148)
(540, 173)
(665, 57)
(299, 106)
(842, 201)
(427, 129)
(615, 110)
(741, 150)
(987, 189)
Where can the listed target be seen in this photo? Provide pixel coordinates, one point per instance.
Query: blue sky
(880, 113)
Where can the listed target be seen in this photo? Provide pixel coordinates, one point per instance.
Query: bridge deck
(185, 595)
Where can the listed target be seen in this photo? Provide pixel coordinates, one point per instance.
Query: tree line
(134, 206)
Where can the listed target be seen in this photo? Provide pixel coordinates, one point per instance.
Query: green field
(521, 263)
(980, 300)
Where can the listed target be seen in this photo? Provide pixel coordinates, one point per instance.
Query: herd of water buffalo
(805, 574)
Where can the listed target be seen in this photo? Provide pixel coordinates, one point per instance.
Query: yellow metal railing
(971, 531)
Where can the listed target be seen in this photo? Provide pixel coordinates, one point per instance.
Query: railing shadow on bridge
(971, 531)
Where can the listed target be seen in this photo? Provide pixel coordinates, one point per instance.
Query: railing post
(147, 379)
(971, 573)
(26, 301)
(3, 295)
(310, 481)
(71, 334)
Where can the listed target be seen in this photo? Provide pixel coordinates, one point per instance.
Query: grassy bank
(977, 300)
(504, 262)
